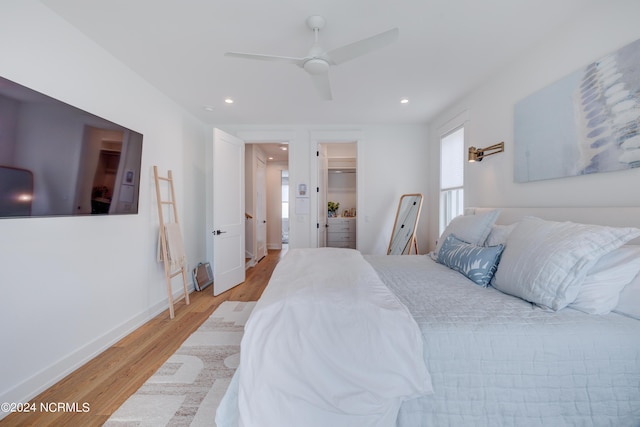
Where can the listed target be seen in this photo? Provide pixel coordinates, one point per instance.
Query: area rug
(188, 388)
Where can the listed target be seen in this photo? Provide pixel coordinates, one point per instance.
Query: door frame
(260, 205)
(337, 137)
(322, 223)
(270, 137)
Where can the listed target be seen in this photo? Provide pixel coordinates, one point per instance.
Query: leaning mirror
(403, 237)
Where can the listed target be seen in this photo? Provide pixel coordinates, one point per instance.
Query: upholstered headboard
(611, 216)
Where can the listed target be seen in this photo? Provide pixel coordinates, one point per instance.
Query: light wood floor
(105, 382)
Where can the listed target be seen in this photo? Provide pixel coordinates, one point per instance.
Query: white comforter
(328, 347)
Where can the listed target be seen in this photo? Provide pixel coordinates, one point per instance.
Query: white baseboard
(42, 380)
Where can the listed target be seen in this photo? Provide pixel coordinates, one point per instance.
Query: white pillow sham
(499, 234)
(546, 261)
(472, 229)
(600, 291)
(629, 301)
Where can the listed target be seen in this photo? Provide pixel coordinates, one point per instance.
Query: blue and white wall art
(587, 122)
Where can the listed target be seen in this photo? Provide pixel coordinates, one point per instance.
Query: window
(451, 176)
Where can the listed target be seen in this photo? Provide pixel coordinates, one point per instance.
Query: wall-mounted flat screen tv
(58, 160)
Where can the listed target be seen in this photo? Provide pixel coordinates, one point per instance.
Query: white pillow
(600, 291)
(629, 302)
(499, 234)
(546, 261)
(472, 229)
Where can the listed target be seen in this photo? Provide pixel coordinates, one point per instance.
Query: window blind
(452, 160)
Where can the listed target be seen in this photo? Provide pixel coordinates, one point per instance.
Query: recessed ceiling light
(404, 101)
(270, 158)
(283, 147)
(208, 108)
(228, 100)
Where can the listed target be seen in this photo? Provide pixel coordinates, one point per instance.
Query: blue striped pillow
(478, 263)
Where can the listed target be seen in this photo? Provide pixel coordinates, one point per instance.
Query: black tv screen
(58, 160)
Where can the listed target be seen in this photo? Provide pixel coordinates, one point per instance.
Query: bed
(343, 339)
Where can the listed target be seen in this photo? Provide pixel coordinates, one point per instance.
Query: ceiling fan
(318, 61)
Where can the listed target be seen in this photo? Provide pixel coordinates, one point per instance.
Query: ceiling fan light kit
(316, 66)
(318, 61)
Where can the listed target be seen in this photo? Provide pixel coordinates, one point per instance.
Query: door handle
(218, 232)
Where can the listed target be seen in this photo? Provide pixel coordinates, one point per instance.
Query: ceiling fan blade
(323, 85)
(273, 58)
(362, 47)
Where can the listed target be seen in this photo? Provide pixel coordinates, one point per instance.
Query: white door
(261, 209)
(225, 210)
(321, 191)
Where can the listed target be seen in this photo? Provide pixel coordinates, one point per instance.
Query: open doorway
(337, 198)
(265, 164)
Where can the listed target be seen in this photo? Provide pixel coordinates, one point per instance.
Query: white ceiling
(445, 48)
(274, 152)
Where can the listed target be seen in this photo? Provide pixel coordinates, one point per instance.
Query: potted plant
(333, 207)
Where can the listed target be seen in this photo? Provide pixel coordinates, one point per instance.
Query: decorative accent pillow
(478, 263)
(600, 291)
(469, 228)
(545, 262)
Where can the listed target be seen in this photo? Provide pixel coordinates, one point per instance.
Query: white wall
(341, 188)
(72, 286)
(392, 160)
(489, 109)
(395, 162)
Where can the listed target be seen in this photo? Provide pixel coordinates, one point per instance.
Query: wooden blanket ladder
(164, 248)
